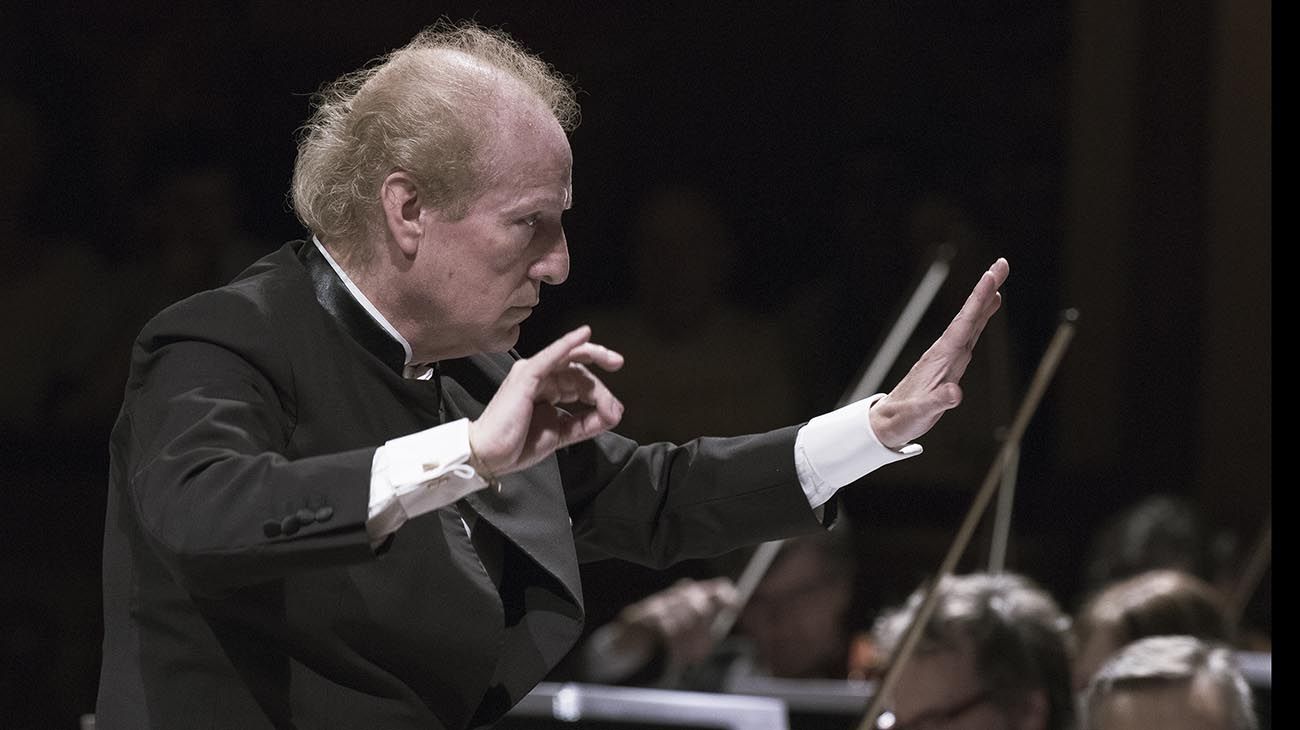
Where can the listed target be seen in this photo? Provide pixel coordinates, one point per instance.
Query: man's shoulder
(270, 289)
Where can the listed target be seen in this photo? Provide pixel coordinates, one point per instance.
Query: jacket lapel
(529, 508)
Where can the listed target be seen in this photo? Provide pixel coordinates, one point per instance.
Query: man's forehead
(544, 196)
(540, 173)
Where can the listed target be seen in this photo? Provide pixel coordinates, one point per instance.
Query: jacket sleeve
(661, 503)
(202, 437)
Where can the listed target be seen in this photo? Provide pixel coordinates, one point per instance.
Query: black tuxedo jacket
(240, 587)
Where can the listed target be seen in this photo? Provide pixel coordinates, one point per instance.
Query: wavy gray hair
(426, 108)
(1161, 661)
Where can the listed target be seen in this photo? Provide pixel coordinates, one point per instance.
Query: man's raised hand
(547, 402)
(930, 387)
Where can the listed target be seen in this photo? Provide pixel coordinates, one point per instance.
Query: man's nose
(553, 266)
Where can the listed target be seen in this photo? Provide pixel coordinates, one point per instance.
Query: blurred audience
(1161, 531)
(701, 363)
(48, 289)
(704, 364)
(188, 236)
(1166, 531)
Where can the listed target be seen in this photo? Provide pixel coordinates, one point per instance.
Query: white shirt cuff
(839, 448)
(419, 473)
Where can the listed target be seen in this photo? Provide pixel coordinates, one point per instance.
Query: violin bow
(866, 384)
(1260, 557)
(1042, 377)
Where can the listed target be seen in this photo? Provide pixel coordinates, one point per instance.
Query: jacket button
(305, 516)
(290, 524)
(271, 528)
(324, 513)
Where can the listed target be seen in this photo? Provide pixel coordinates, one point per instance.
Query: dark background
(1118, 153)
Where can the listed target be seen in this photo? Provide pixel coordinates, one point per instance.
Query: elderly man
(994, 656)
(337, 498)
(1169, 681)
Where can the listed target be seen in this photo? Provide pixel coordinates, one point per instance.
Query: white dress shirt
(423, 471)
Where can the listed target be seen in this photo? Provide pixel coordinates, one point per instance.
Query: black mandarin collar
(335, 298)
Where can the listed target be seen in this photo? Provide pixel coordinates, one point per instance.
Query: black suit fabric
(240, 586)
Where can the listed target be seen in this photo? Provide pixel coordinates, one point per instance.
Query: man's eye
(531, 221)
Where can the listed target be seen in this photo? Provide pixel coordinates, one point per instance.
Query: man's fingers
(561, 355)
(969, 320)
(985, 316)
(575, 384)
(1000, 271)
(590, 353)
(588, 389)
(559, 388)
(979, 296)
(585, 407)
(585, 424)
(557, 353)
(575, 425)
(723, 592)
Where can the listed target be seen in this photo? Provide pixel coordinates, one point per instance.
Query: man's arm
(661, 503)
(202, 444)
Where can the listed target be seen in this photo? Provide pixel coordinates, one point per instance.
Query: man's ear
(400, 198)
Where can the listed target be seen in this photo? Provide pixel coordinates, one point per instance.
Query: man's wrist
(481, 467)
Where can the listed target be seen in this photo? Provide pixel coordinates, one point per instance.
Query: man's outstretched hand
(930, 387)
(547, 402)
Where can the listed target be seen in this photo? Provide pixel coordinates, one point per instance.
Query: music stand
(571, 705)
(813, 704)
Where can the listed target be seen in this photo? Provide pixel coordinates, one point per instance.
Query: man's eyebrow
(538, 199)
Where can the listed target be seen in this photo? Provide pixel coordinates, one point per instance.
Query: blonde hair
(425, 108)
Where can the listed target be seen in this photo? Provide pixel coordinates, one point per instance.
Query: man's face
(796, 618)
(941, 690)
(479, 277)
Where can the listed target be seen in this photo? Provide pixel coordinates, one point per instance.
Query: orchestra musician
(994, 655)
(1168, 682)
(794, 625)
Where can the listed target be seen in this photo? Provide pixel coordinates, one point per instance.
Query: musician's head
(1155, 603)
(438, 176)
(993, 656)
(1169, 682)
(1160, 531)
(797, 615)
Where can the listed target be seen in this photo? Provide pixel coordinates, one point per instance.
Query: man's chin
(503, 340)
